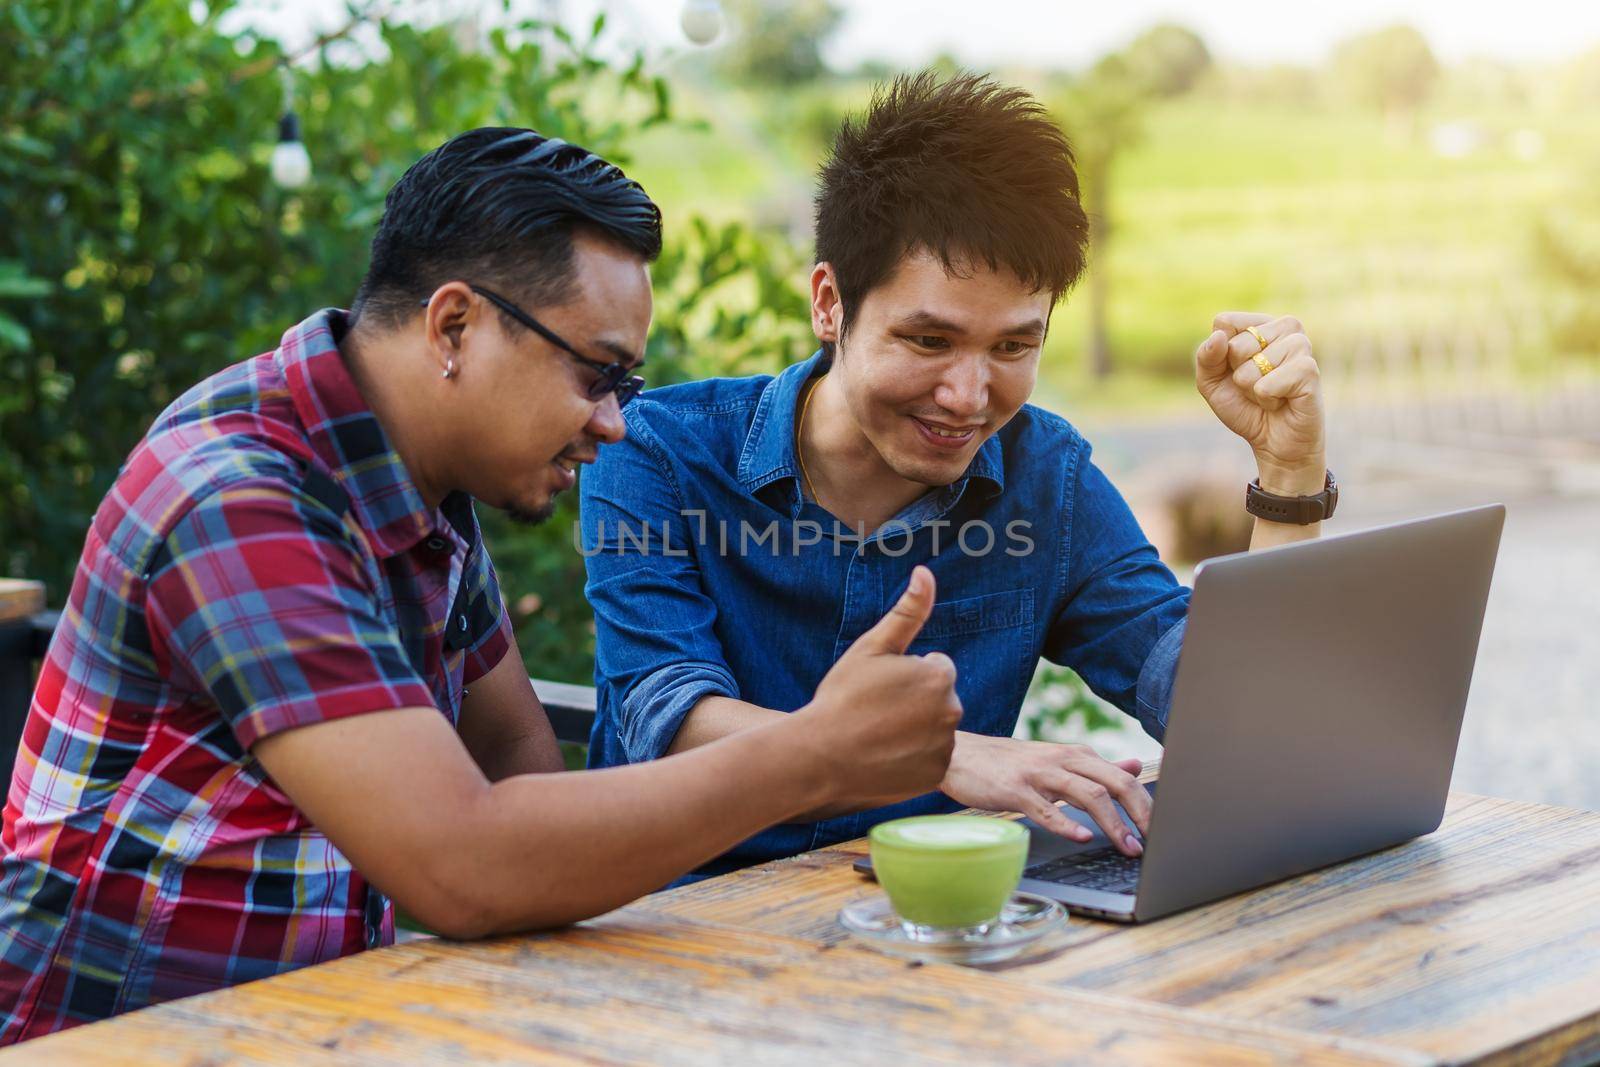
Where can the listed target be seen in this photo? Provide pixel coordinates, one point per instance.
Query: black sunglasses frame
(612, 377)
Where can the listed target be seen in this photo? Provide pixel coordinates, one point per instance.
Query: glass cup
(948, 876)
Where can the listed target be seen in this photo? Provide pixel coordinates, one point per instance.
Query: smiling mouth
(568, 462)
(950, 437)
(567, 469)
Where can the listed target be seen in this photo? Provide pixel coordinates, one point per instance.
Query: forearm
(532, 748)
(714, 718)
(545, 850)
(401, 797)
(1271, 534)
(504, 726)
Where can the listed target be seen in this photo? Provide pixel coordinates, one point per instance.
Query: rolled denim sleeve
(656, 648)
(1155, 682)
(656, 706)
(1119, 620)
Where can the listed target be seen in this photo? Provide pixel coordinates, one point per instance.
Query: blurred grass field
(1224, 203)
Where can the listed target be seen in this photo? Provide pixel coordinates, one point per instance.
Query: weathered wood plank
(638, 989)
(1480, 942)
(20, 598)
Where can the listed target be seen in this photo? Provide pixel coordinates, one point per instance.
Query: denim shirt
(712, 574)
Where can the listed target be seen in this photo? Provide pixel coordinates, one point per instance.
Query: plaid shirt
(262, 562)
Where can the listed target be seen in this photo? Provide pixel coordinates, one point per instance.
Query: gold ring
(1263, 364)
(1262, 341)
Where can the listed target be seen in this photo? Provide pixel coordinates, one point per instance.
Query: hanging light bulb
(701, 20)
(291, 163)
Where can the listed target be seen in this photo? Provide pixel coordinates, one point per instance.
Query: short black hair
(498, 206)
(972, 171)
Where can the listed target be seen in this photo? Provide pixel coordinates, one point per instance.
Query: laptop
(1314, 718)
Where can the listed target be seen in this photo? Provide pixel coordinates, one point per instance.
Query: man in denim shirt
(748, 530)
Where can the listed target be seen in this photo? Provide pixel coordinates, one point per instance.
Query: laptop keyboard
(1105, 869)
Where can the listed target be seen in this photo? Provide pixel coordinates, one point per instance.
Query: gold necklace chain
(799, 432)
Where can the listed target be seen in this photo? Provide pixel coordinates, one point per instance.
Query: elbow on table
(475, 908)
(447, 879)
(446, 902)
(467, 920)
(459, 924)
(472, 915)
(466, 890)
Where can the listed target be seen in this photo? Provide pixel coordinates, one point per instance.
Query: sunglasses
(609, 377)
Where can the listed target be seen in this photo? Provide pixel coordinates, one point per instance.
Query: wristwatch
(1295, 510)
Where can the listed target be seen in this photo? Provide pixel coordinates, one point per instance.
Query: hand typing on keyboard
(1009, 774)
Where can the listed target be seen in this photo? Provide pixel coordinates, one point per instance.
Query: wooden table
(20, 598)
(1477, 944)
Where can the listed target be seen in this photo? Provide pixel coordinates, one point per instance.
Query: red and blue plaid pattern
(262, 562)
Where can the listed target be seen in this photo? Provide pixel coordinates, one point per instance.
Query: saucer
(1024, 922)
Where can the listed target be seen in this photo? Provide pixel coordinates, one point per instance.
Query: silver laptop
(1314, 717)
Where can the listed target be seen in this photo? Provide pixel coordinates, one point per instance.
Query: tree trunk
(1096, 204)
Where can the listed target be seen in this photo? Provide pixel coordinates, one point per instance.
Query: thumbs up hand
(886, 720)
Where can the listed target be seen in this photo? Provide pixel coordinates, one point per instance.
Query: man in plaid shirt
(284, 691)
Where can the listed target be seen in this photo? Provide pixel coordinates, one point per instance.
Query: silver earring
(449, 369)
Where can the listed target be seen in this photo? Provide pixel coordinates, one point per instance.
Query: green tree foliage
(1103, 112)
(1167, 59)
(1103, 115)
(1061, 707)
(1392, 69)
(1566, 245)
(778, 42)
(146, 247)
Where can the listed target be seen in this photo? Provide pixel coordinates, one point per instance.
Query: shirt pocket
(991, 639)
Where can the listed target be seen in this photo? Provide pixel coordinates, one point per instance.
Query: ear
(450, 311)
(827, 310)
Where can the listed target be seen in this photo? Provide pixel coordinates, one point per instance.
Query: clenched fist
(1259, 376)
